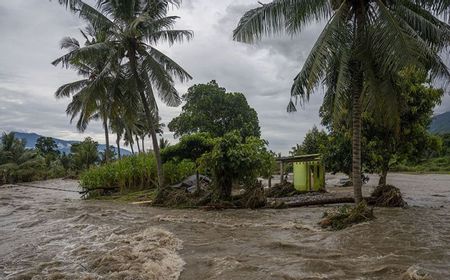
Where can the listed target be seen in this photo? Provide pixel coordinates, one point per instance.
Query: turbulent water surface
(49, 233)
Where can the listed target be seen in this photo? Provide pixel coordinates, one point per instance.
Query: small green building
(309, 172)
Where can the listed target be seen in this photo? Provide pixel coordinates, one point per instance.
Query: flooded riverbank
(52, 234)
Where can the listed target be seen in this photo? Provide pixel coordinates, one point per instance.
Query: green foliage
(445, 140)
(108, 154)
(438, 164)
(337, 156)
(210, 109)
(18, 164)
(236, 160)
(174, 172)
(315, 142)
(85, 154)
(346, 216)
(134, 173)
(408, 139)
(48, 148)
(190, 147)
(129, 173)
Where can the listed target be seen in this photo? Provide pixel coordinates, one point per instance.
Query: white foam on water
(99, 253)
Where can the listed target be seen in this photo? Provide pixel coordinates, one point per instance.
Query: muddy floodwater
(50, 233)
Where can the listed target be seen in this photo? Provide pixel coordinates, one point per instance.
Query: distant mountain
(63, 145)
(440, 123)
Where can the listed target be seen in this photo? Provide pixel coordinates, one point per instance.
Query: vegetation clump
(387, 196)
(346, 216)
(174, 197)
(284, 189)
(254, 197)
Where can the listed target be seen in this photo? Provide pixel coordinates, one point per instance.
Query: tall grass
(134, 173)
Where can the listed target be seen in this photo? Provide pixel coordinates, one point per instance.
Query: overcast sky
(30, 31)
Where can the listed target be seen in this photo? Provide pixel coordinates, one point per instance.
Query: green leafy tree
(134, 29)
(236, 160)
(17, 163)
(191, 147)
(209, 108)
(408, 139)
(85, 154)
(48, 148)
(364, 44)
(315, 142)
(445, 139)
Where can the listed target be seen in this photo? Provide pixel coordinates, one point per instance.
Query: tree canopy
(209, 108)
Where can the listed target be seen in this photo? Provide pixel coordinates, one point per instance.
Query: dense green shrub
(174, 172)
(134, 173)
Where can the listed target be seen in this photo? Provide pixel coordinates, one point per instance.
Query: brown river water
(50, 233)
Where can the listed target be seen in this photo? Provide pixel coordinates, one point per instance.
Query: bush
(133, 173)
(174, 172)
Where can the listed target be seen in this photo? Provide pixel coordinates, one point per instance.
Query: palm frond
(335, 36)
(278, 16)
(70, 88)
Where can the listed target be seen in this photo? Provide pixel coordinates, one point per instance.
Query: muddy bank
(46, 233)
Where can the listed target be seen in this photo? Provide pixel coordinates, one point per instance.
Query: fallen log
(309, 199)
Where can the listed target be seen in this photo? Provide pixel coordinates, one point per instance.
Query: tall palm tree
(363, 43)
(135, 28)
(92, 96)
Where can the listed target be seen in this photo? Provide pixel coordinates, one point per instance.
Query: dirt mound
(346, 216)
(387, 196)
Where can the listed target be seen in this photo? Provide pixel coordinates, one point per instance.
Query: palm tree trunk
(143, 147)
(105, 126)
(137, 143)
(356, 143)
(149, 116)
(357, 88)
(118, 145)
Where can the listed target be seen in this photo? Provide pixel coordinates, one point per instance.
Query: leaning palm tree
(364, 42)
(135, 27)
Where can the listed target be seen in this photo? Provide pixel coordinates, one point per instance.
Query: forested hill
(440, 123)
(63, 145)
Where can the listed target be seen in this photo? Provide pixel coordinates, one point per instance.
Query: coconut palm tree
(364, 42)
(135, 28)
(93, 96)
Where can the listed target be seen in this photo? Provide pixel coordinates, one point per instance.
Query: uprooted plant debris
(387, 196)
(345, 216)
(176, 197)
(253, 197)
(284, 189)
